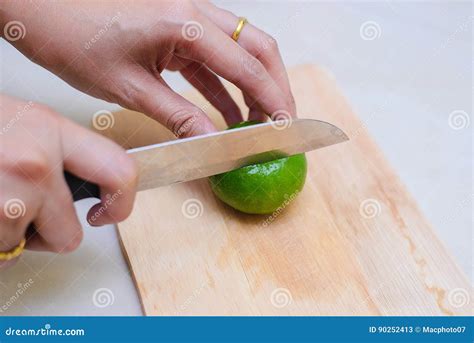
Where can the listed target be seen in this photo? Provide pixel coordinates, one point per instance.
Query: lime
(261, 188)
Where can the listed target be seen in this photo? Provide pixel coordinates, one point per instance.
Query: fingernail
(97, 216)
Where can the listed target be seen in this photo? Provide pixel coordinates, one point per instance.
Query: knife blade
(202, 156)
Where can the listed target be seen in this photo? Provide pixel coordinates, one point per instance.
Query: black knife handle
(81, 189)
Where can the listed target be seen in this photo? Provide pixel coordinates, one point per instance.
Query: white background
(404, 84)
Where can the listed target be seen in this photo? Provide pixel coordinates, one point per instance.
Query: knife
(201, 156)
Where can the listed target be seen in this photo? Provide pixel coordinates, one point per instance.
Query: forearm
(18, 21)
(38, 30)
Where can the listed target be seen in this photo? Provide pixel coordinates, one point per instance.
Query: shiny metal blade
(197, 157)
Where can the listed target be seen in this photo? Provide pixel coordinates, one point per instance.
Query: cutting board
(354, 242)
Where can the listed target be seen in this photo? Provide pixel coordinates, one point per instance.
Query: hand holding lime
(261, 188)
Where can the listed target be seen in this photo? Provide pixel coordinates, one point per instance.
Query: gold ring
(240, 26)
(15, 252)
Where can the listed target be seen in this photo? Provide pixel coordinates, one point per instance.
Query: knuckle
(253, 68)
(129, 94)
(269, 43)
(184, 121)
(185, 43)
(34, 167)
(189, 31)
(73, 244)
(68, 245)
(28, 163)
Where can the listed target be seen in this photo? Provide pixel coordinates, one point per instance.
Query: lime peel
(261, 188)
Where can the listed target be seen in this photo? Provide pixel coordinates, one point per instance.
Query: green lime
(261, 188)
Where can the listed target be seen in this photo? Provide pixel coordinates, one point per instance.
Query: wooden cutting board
(354, 242)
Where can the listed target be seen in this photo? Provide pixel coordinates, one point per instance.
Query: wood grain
(354, 242)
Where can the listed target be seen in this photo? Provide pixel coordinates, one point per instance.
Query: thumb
(157, 100)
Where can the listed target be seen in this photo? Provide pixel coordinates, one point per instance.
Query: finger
(34, 241)
(57, 224)
(257, 43)
(14, 218)
(18, 208)
(155, 98)
(255, 112)
(99, 160)
(209, 85)
(226, 58)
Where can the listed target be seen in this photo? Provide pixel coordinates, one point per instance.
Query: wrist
(13, 15)
(8, 9)
(23, 25)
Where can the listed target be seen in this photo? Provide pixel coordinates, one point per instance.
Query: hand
(36, 144)
(116, 51)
